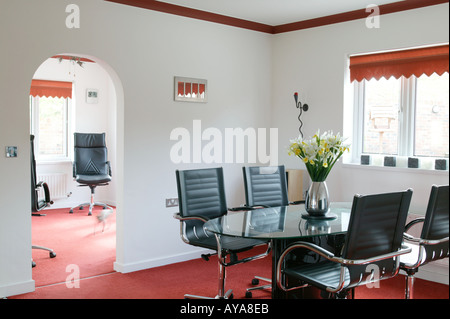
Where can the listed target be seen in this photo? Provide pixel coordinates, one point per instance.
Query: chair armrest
(298, 202)
(413, 222)
(317, 249)
(418, 240)
(404, 250)
(184, 218)
(239, 208)
(181, 219)
(108, 163)
(330, 256)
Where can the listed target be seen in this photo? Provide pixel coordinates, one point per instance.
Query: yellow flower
(305, 160)
(311, 162)
(325, 164)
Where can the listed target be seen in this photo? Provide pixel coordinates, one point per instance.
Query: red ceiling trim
(196, 14)
(356, 14)
(67, 57)
(306, 24)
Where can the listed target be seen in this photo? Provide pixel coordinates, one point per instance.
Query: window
(404, 117)
(50, 118)
(49, 124)
(401, 108)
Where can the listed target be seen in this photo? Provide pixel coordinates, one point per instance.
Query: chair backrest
(91, 154)
(36, 204)
(375, 228)
(265, 186)
(436, 224)
(201, 192)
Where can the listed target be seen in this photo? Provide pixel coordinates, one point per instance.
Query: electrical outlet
(171, 202)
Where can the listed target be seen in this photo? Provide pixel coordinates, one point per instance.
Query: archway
(104, 114)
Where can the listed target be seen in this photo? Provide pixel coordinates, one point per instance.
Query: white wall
(145, 50)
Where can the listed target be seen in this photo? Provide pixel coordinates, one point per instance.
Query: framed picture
(92, 96)
(190, 90)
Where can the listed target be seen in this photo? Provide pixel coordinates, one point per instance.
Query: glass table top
(280, 222)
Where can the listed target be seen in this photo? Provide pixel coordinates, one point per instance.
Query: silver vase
(317, 202)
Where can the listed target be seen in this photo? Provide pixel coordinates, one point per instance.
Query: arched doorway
(82, 112)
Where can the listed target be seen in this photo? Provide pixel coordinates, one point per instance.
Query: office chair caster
(248, 294)
(52, 254)
(255, 281)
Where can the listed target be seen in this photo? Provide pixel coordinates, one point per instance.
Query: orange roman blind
(416, 62)
(51, 88)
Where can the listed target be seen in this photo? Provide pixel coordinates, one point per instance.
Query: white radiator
(56, 184)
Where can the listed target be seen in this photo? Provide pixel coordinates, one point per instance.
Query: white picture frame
(190, 89)
(92, 96)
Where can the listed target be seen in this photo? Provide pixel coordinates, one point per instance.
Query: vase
(317, 202)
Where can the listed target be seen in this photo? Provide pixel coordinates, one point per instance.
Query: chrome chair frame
(344, 262)
(433, 241)
(221, 258)
(409, 292)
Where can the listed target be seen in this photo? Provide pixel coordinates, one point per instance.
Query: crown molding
(260, 27)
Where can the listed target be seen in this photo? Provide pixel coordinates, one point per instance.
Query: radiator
(56, 183)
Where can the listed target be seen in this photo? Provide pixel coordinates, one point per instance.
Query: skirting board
(151, 263)
(435, 271)
(17, 289)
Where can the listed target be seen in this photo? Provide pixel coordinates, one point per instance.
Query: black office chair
(37, 204)
(371, 251)
(201, 195)
(91, 166)
(265, 186)
(433, 242)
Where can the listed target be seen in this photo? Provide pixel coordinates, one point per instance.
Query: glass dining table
(282, 226)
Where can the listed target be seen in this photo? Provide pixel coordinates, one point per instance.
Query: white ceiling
(277, 12)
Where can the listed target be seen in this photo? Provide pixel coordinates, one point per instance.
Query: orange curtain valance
(400, 63)
(51, 88)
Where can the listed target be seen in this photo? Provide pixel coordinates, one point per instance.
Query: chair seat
(233, 244)
(93, 179)
(323, 274)
(412, 257)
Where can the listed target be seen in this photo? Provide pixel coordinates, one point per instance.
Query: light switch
(11, 151)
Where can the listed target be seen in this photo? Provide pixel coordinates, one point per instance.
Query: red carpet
(78, 239)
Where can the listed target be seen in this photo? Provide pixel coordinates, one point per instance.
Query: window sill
(396, 169)
(54, 161)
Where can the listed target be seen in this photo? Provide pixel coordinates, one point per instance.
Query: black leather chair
(201, 195)
(433, 241)
(371, 251)
(91, 166)
(37, 204)
(265, 186)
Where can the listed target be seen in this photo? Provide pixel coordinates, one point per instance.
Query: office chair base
(91, 206)
(228, 295)
(255, 281)
(52, 254)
